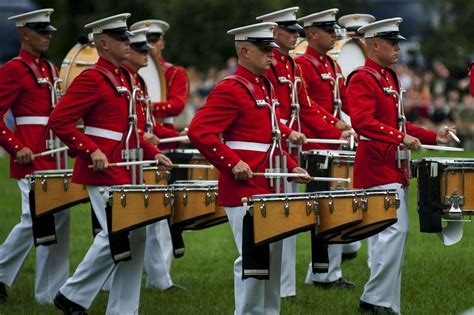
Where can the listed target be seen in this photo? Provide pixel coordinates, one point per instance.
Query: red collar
(108, 65)
(313, 52)
(249, 75)
(372, 64)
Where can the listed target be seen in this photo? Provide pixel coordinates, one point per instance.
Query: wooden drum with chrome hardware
(52, 191)
(134, 206)
(277, 216)
(191, 156)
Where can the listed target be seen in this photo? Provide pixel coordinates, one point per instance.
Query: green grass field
(436, 279)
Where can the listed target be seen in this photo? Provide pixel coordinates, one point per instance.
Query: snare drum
(451, 182)
(53, 191)
(219, 217)
(152, 175)
(379, 211)
(329, 163)
(192, 156)
(133, 206)
(193, 200)
(277, 216)
(337, 211)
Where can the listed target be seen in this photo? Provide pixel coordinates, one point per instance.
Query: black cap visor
(120, 33)
(331, 26)
(41, 27)
(263, 42)
(141, 46)
(153, 37)
(290, 25)
(394, 36)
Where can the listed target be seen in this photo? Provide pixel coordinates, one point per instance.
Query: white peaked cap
(326, 17)
(118, 21)
(155, 26)
(384, 28)
(354, 21)
(33, 17)
(260, 34)
(285, 18)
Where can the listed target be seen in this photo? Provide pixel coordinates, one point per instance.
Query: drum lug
(123, 199)
(355, 204)
(391, 202)
(208, 198)
(364, 203)
(331, 205)
(169, 198)
(44, 184)
(455, 201)
(216, 197)
(310, 207)
(146, 198)
(65, 182)
(286, 207)
(263, 208)
(185, 197)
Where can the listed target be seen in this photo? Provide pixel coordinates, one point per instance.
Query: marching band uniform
(94, 98)
(375, 118)
(312, 125)
(159, 248)
(231, 110)
(176, 79)
(313, 65)
(30, 103)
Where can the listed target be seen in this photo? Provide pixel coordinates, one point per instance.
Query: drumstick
(48, 152)
(327, 141)
(441, 148)
(351, 142)
(174, 139)
(130, 163)
(192, 166)
(454, 137)
(321, 179)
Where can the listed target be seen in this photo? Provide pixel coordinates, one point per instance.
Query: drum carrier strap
(376, 75)
(107, 74)
(319, 66)
(250, 87)
(35, 69)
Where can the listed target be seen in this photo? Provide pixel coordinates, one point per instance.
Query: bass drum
(78, 59)
(348, 52)
(154, 77)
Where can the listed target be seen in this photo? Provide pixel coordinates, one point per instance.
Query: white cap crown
(139, 36)
(384, 28)
(354, 21)
(38, 16)
(327, 17)
(259, 34)
(155, 26)
(118, 21)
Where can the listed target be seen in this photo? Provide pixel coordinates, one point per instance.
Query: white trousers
(351, 247)
(288, 257)
(158, 255)
(254, 296)
(97, 266)
(334, 269)
(52, 262)
(386, 257)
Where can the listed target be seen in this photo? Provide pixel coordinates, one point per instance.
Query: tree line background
(198, 38)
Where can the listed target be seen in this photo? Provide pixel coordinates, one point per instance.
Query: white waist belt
(364, 138)
(168, 120)
(283, 121)
(250, 146)
(103, 133)
(31, 120)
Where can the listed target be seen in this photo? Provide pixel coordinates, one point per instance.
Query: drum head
(78, 59)
(154, 79)
(351, 55)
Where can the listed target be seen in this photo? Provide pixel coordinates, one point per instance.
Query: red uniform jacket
(374, 116)
(177, 93)
(231, 111)
(158, 129)
(313, 65)
(20, 92)
(312, 123)
(93, 98)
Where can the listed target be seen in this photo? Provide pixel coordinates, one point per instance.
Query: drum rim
(332, 153)
(282, 197)
(136, 188)
(354, 193)
(51, 172)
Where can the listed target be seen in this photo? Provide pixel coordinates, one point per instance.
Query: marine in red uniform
(236, 109)
(283, 74)
(94, 96)
(317, 66)
(158, 248)
(375, 118)
(30, 104)
(176, 78)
